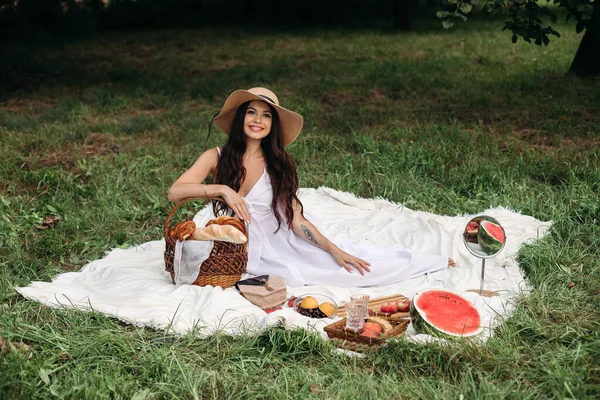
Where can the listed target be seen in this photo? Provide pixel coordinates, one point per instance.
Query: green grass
(453, 122)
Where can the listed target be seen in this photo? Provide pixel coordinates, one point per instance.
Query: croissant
(225, 220)
(225, 233)
(184, 229)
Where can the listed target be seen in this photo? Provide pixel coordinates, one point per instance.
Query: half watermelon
(444, 313)
(491, 237)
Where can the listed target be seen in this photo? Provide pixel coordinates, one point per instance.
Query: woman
(256, 179)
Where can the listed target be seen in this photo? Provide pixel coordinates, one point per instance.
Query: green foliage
(95, 132)
(525, 17)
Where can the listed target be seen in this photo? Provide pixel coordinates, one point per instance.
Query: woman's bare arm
(307, 231)
(189, 184)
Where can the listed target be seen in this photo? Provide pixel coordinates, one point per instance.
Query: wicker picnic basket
(225, 265)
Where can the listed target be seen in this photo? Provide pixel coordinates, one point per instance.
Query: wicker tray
(352, 340)
(225, 265)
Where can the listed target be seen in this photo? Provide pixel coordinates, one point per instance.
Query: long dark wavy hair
(280, 167)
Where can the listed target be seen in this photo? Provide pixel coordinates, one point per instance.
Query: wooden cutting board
(375, 304)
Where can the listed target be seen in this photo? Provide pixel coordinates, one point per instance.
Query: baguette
(225, 233)
(225, 220)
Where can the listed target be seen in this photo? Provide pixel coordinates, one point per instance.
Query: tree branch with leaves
(526, 19)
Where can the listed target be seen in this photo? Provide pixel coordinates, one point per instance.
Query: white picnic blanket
(131, 284)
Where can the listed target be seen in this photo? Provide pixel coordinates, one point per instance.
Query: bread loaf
(225, 220)
(225, 233)
(184, 230)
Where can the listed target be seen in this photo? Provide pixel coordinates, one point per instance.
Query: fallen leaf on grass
(22, 346)
(314, 388)
(5, 345)
(48, 222)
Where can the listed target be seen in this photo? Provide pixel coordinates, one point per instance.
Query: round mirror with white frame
(484, 237)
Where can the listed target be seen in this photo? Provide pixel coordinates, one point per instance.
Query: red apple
(403, 305)
(389, 307)
(291, 301)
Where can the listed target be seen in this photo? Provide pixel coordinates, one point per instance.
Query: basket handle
(178, 205)
(175, 208)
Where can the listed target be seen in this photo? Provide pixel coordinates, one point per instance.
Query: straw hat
(291, 122)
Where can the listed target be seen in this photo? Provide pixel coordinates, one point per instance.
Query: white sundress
(300, 263)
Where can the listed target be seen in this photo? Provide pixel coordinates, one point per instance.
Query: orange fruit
(327, 309)
(309, 302)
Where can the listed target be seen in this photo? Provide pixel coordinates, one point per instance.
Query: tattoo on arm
(309, 235)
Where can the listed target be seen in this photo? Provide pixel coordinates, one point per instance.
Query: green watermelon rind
(488, 243)
(421, 325)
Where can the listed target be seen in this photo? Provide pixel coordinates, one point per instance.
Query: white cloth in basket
(189, 256)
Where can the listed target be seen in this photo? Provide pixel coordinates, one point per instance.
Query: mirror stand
(481, 292)
(482, 275)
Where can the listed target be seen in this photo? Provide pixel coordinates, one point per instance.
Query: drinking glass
(363, 301)
(354, 316)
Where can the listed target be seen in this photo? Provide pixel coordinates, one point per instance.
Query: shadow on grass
(29, 62)
(335, 81)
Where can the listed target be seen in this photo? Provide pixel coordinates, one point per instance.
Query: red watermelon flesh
(444, 312)
(494, 230)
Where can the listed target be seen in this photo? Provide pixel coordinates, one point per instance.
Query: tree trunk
(587, 58)
(401, 13)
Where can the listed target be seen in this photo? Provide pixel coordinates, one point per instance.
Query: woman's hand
(344, 259)
(307, 231)
(237, 203)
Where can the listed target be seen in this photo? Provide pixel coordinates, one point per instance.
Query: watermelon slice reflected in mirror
(484, 237)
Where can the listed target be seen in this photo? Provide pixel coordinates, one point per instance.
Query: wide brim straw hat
(291, 122)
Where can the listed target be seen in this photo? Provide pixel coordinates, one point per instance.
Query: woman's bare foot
(451, 263)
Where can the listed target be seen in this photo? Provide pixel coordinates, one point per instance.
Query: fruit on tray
(372, 326)
(369, 333)
(375, 327)
(403, 305)
(385, 325)
(490, 237)
(389, 307)
(444, 313)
